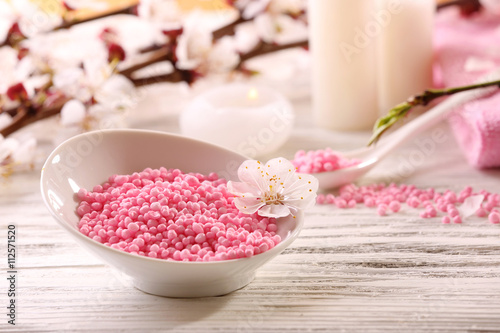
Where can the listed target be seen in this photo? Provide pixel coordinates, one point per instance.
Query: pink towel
(467, 48)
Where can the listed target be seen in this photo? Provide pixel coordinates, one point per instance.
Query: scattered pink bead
(453, 212)
(494, 217)
(320, 199)
(330, 198)
(341, 203)
(431, 211)
(369, 202)
(395, 206)
(382, 210)
(430, 202)
(481, 212)
(170, 215)
(321, 161)
(424, 215)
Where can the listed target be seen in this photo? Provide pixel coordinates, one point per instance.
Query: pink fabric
(457, 39)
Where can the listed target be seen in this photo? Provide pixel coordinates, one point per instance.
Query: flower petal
(248, 205)
(239, 189)
(5, 120)
(117, 91)
(7, 147)
(304, 184)
(252, 172)
(25, 153)
(280, 173)
(274, 211)
(72, 113)
(471, 205)
(254, 8)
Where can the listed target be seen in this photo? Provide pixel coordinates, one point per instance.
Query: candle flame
(253, 94)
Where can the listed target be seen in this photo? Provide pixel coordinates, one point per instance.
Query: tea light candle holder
(250, 120)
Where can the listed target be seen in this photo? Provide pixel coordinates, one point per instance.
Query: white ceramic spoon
(370, 156)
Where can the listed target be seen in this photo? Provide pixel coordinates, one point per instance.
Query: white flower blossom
(223, 57)
(14, 71)
(7, 68)
(271, 23)
(31, 17)
(165, 14)
(280, 29)
(246, 37)
(5, 120)
(97, 94)
(73, 113)
(193, 45)
(252, 8)
(272, 189)
(196, 51)
(16, 154)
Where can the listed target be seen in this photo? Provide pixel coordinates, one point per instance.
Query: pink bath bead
(320, 199)
(395, 206)
(351, 203)
(341, 203)
(451, 197)
(442, 208)
(170, 215)
(321, 161)
(369, 202)
(431, 211)
(489, 206)
(424, 215)
(457, 219)
(330, 198)
(413, 202)
(494, 217)
(382, 210)
(133, 227)
(453, 212)
(481, 212)
(432, 200)
(446, 219)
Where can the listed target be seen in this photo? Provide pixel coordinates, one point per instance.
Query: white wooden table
(349, 271)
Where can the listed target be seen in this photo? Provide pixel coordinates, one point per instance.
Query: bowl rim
(284, 243)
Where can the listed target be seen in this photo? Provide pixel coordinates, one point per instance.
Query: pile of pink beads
(172, 215)
(315, 161)
(388, 199)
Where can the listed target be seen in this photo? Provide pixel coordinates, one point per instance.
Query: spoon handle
(434, 115)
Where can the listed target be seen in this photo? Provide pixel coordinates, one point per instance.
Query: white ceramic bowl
(89, 159)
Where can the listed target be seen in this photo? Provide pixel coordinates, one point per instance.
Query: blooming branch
(401, 110)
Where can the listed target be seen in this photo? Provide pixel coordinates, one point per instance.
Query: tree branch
(156, 56)
(130, 10)
(229, 29)
(176, 76)
(27, 115)
(401, 110)
(265, 48)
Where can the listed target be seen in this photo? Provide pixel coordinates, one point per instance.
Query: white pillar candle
(343, 37)
(404, 50)
(251, 120)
